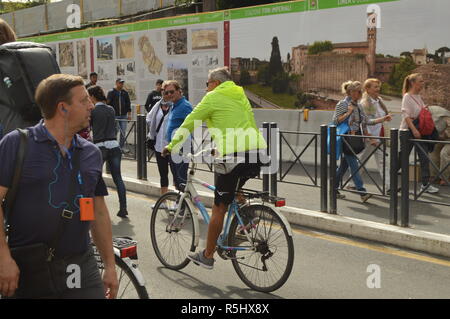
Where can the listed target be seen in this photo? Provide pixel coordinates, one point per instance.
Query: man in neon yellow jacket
(231, 122)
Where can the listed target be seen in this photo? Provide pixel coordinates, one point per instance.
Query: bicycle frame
(192, 198)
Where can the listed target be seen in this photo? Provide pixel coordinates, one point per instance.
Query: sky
(405, 25)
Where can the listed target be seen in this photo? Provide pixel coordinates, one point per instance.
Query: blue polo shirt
(178, 113)
(43, 189)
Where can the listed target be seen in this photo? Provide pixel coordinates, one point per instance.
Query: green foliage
(14, 6)
(387, 89)
(275, 64)
(303, 99)
(400, 71)
(263, 74)
(245, 78)
(280, 83)
(320, 46)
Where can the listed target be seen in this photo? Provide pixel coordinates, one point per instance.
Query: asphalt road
(325, 266)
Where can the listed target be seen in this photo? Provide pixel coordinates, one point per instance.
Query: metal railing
(323, 146)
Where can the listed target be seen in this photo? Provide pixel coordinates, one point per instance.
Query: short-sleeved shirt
(411, 106)
(44, 186)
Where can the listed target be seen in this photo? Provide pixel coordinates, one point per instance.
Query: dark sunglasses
(169, 92)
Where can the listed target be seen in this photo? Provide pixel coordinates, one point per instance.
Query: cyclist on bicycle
(231, 122)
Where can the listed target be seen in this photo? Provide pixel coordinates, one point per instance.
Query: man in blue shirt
(180, 110)
(43, 194)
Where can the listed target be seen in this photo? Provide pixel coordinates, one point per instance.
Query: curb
(432, 243)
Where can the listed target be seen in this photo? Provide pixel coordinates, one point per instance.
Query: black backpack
(23, 65)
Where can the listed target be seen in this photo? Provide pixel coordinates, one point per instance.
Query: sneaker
(365, 198)
(339, 195)
(200, 260)
(122, 213)
(430, 189)
(351, 188)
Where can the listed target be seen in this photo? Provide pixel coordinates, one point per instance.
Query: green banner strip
(257, 11)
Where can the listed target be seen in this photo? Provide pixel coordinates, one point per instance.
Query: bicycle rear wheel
(267, 267)
(172, 239)
(129, 287)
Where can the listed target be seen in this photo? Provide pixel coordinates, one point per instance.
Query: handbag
(424, 122)
(37, 272)
(151, 142)
(353, 144)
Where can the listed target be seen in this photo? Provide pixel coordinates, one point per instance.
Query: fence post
(323, 169)
(266, 132)
(141, 128)
(404, 162)
(333, 190)
(394, 164)
(274, 157)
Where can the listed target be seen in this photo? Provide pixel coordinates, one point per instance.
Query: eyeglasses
(169, 92)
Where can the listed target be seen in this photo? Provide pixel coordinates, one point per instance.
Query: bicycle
(250, 238)
(125, 251)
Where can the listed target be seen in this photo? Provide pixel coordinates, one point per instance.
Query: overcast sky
(405, 25)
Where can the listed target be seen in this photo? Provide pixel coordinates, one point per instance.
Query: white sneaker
(430, 189)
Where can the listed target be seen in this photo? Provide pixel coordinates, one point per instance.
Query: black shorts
(226, 184)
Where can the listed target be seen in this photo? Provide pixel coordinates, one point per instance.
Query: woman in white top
(157, 122)
(375, 108)
(412, 104)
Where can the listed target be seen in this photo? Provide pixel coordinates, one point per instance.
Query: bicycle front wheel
(267, 267)
(172, 236)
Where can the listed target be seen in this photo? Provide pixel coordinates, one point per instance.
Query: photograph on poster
(176, 41)
(105, 49)
(130, 87)
(125, 47)
(179, 71)
(66, 55)
(211, 61)
(105, 72)
(204, 39)
(126, 68)
(153, 63)
(197, 61)
(81, 59)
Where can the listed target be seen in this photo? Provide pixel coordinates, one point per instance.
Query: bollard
(266, 133)
(274, 156)
(333, 167)
(404, 162)
(141, 128)
(393, 197)
(323, 169)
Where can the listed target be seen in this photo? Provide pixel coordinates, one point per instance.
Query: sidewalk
(430, 223)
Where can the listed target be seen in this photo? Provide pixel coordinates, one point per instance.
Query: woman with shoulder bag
(157, 121)
(350, 110)
(413, 111)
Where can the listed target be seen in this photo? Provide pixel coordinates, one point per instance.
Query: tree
(263, 74)
(400, 71)
(406, 54)
(320, 46)
(280, 83)
(275, 65)
(245, 78)
(6, 7)
(442, 51)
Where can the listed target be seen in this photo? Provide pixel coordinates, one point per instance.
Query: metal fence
(321, 171)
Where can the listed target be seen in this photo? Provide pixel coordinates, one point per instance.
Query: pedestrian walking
(181, 108)
(154, 96)
(157, 120)
(104, 131)
(48, 231)
(441, 153)
(119, 99)
(93, 77)
(351, 111)
(412, 105)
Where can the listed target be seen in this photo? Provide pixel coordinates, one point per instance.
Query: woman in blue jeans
(351, 111)
(104, 130)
